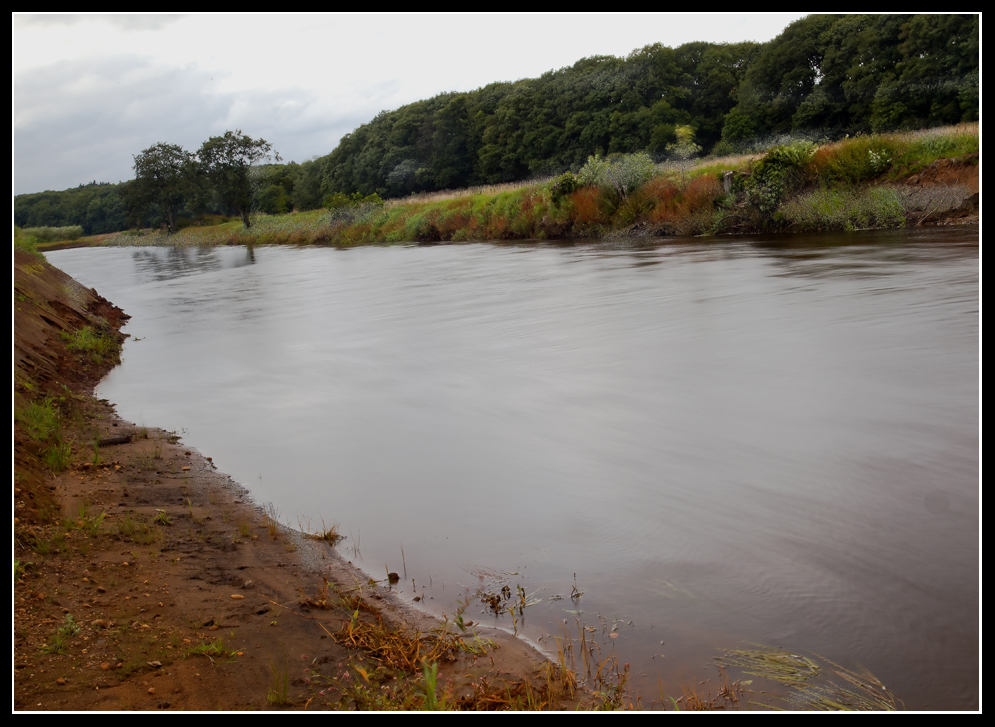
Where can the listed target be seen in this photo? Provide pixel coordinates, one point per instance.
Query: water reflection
(167, 263)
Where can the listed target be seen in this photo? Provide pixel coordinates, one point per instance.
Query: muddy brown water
(719, 442)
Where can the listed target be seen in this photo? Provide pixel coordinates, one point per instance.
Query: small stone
(235, 595)
(60, 680)
(105, 666)
(151, 690)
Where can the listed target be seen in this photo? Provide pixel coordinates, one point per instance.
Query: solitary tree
(163, 178)
(226, 160)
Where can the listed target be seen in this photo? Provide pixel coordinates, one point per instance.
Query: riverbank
(879, 181)
(145, 579)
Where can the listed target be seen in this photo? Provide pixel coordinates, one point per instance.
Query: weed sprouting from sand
(279, 686)
(272, 518)
(328, 533)
(212, 649)
(60, 639)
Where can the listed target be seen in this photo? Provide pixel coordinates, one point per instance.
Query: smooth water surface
(771, 442)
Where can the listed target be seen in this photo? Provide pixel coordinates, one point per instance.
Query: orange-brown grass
(676, 201)
(393, 647)
(586, 204)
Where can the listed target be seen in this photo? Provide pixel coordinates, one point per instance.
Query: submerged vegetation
(842, 689)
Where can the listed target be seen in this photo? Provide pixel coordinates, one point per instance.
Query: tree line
(222, 177)
(824, 76)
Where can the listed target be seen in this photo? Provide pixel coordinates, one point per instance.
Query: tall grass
(54, 234)
(844, 209)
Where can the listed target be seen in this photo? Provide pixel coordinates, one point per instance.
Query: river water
(719, 442)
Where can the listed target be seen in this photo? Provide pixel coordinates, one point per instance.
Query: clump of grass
(43, 545)
(89, 524)
(328, 533)
(40, 419)
(844, 209)
(279, 685)
(272, 516)
(95, 344)
(20, 569)
(244, 527)
(149, 458)
(27, 243)
(60, 639)
(138, 531)
(211, 649)
(57, 455)
(432, 701)
(161, 518)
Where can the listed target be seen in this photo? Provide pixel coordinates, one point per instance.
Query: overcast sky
(91, 91)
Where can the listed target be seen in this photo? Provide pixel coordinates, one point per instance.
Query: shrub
(563, 185)
(776, 175)
(617, 173)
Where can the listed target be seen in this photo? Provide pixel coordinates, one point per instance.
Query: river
(719, 442)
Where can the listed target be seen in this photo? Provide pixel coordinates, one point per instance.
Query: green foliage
(844, 209)
(60, 639)
(227, 160)
(618, 173)
(164, 177)
(96, 344)
(432, 702)
(776, 175)
(851, 73)
(20, 569)
(279, 686)
(26, 243)
(57, 455)
(562, 186)
(41, 420)
(53, 234)
(354, 209)
(95, 208)
(684, 149)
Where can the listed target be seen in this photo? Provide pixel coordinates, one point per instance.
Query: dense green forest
(823, 77)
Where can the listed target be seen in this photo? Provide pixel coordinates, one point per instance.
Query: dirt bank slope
(145, 579)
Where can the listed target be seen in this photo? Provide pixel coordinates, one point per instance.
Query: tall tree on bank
(163, 177)
(227, 160)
